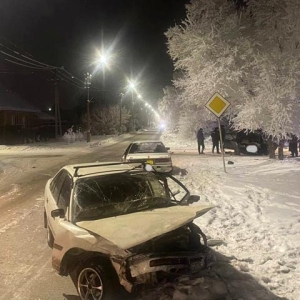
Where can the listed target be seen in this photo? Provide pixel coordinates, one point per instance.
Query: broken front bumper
(176, 264)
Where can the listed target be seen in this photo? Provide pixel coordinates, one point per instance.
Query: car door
(53, 198)
(229, 142)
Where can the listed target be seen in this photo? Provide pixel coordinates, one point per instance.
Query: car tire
(237, 150)
(50, 237)
(92, 274)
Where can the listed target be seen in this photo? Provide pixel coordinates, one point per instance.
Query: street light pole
(88, 78)
(122, 95)
(133, 112)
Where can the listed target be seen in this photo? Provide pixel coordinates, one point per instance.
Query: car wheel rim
(90, 285)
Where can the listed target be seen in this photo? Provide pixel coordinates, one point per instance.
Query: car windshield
(148, 147)
(117, 194)
(251, 137)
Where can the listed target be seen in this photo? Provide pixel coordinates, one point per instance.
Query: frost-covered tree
(250, 56)
(169, 107)
(274, 106)
(106, 120)
(211, 50)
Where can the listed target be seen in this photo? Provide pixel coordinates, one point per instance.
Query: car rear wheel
(95, 280)
(237, 149)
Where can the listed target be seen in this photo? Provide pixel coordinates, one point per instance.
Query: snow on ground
(17, 159)
(256, 222)
(58, 147)
(255, 227)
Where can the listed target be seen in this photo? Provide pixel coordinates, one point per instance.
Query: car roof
(91, 169)
(147, 141)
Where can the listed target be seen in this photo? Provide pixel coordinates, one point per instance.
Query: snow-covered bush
(70, 136)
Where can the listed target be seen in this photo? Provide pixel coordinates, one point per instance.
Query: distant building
(20, 121)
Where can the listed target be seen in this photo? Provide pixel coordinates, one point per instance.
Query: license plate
(149, 161)
(196, 266)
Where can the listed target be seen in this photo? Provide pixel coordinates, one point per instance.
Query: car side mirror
(193, 199)
(58, 213)
(167, 148)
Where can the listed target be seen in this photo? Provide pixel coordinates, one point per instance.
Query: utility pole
(58, 129)
(121, 99)
(88, 79)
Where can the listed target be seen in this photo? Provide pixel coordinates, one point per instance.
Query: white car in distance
(150, 152)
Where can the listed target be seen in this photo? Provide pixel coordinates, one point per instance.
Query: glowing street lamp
(131, 85)
(102, 59)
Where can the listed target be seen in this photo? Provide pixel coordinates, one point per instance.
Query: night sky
(67, 33)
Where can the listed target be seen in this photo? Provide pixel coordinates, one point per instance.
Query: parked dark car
(239, 141)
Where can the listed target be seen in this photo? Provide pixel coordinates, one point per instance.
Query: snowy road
(25, 259)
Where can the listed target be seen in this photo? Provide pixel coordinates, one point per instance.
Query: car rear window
(148, 147)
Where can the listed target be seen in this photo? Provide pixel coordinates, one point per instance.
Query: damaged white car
(112, 224)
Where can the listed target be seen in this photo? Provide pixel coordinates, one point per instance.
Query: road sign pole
(217, 105)
(221, 144)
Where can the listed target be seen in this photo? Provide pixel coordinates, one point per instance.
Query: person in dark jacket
(293, 146)
(200, 140)
(215, 138)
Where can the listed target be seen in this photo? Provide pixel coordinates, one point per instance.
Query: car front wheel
(50, 237)
(95, 280)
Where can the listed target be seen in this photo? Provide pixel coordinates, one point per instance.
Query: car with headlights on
(117, 224)
(151, 152)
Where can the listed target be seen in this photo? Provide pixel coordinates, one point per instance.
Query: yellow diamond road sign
(217, 104)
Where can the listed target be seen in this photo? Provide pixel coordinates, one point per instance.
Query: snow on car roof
(98, 167)
(149, 141)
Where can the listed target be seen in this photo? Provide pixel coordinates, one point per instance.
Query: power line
(35, 64)
(69, 79)
(23, 60)
(63, 79)
(14, 62)
(49, 66)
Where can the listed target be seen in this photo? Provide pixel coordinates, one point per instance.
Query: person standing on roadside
(215, 138)
(200, 140)
(293, 146)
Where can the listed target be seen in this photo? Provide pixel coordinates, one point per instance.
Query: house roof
(44, 116)
(12, 101)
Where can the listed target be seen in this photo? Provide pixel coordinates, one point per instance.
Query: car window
(148, 147)
(57, 183)
(127, 149)
(65, 193)
(176, 191)
(229, 137)
(112, 195)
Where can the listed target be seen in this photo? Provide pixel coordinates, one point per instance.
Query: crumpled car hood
(130, 230)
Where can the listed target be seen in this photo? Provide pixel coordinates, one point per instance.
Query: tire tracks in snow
(241, 220)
